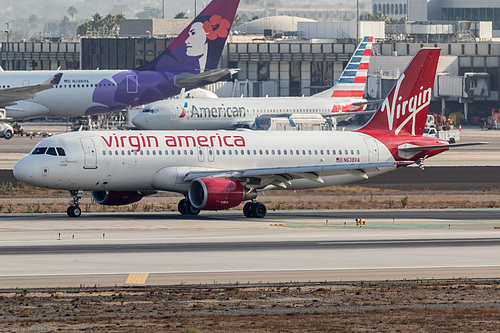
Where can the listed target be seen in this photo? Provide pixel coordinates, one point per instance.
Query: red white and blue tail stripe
(352, 82)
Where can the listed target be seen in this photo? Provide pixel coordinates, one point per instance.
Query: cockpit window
(39, 151)
(51, 151)
(61, 151)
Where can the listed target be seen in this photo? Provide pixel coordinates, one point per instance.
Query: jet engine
(117, 198)
(215, 193)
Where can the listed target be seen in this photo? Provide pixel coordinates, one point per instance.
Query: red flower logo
(216, 27)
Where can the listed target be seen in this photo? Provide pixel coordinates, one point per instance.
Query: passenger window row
(234, 152)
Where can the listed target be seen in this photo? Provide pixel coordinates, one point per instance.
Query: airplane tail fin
(352, 82)
(199, 46)
(404, 110)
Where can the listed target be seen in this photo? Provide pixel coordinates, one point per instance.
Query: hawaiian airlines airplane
(218, 170)
(342, 101)
(188, 62)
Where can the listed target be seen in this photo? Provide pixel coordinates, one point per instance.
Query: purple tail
(200, 44)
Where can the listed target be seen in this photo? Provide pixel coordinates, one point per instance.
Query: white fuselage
(159, 160)
(71, 97)
(230, 113)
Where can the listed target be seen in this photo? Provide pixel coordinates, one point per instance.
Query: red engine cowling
(116, 198)
(215, 193)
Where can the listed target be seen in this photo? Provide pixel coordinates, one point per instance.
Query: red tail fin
(404, 110)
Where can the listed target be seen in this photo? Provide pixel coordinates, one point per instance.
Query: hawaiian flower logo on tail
(199, 35)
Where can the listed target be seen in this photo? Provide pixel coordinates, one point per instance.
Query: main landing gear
(74, 210)
(254, 209)
(186, 208)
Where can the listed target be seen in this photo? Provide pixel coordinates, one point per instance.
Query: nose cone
(140, 120)
(23, 170)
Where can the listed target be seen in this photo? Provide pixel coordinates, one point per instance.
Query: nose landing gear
(74, 210)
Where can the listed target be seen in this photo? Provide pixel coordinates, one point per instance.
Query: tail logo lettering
(399, 108)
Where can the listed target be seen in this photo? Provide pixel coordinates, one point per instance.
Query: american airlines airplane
(343, 100)
(218, 170)
(188, 62)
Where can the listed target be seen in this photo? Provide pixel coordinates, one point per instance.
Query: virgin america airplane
(218, 170)
(188, 62)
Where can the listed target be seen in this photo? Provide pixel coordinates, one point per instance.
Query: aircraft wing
(187, 80)
(11, 95)
(281, 176)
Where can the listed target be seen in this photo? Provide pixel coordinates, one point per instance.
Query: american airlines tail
(352, 82)
(404, 110)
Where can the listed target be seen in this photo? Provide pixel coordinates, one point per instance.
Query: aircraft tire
(69, 211)
(182, 207)
(77, 211)
(191, 210)
(259, 210)
(247, 209)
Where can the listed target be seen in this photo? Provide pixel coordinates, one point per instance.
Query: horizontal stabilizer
(187, 80)
(448, 146)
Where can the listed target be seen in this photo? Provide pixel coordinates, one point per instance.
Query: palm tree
(72, 12)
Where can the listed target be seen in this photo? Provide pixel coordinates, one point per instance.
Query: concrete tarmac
(223, 247)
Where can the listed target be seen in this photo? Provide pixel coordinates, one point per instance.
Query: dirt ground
(26, 199)
(404, 306)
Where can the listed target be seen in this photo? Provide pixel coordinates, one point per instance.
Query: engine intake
(215, 193)
(116, 198)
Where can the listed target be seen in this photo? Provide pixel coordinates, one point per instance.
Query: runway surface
(224, 247)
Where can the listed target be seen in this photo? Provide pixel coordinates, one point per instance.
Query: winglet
(56, 79)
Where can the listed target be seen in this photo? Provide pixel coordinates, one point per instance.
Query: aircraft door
(201, 154)
(89, 153)
(372, 146)
(206, 153)
(132, 84)
(210, 154)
